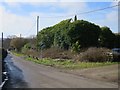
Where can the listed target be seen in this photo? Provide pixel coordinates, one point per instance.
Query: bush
(18, 43)
(26, 48)
(56, 53)
(116, 57)
(94, 54)
(76, 47)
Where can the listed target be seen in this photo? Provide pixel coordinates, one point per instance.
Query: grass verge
(17, 53)
(68, 64)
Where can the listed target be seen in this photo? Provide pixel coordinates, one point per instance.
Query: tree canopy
(69, 34)
(18, 43)
(85, 33)
(66, 33)
(107, 38)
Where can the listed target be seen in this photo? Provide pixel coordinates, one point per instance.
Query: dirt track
(105, 73)
(26, 74)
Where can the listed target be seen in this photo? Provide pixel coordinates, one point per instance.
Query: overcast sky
(20, 17)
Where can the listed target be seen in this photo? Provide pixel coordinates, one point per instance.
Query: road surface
(27, 74)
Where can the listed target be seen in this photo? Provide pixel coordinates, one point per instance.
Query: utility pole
(2, 40)
(37, 30)
(2, 52)
(1, 61)
(37, 24)
(20, 35)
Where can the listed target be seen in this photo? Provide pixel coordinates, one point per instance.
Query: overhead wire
(82, 12)
(96, 10)
(31, 28)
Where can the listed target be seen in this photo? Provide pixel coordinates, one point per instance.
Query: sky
(19, 17)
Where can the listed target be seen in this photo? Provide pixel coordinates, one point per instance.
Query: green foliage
(56, 36)
(66, 33)
(18, 43)
(26, 47)
(117, 40)
(85, 32)
(61, 38)
(17, 54)
(46, 37)
(107, 38)
(69, 64)
(76, 47)
(65, 63)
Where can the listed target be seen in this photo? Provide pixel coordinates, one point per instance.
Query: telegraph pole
(37, 24)
(20, 35)
(37, 30)
(1, 60)
(2, 40)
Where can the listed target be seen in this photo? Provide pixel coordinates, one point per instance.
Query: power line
(99, 9)
(83, 12)
(31, 28)
(96, 10)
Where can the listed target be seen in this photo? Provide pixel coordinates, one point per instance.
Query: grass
(68, 64)
(17, 54)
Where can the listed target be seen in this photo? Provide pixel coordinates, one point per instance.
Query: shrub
(56, 53)
(94, 54)
(26, 48)
(116, 57)
(76, 47)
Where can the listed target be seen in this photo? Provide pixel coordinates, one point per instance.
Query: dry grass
(56, 53)
(94, 54)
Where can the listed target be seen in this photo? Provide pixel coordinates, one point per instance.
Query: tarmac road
(26, 74)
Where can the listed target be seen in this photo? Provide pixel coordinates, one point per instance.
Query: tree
(61, 37)
(18, 43)
(45, 37)
(107, 38)
(117, 40)
(56, 35)
(66, 33)
(85, 33)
